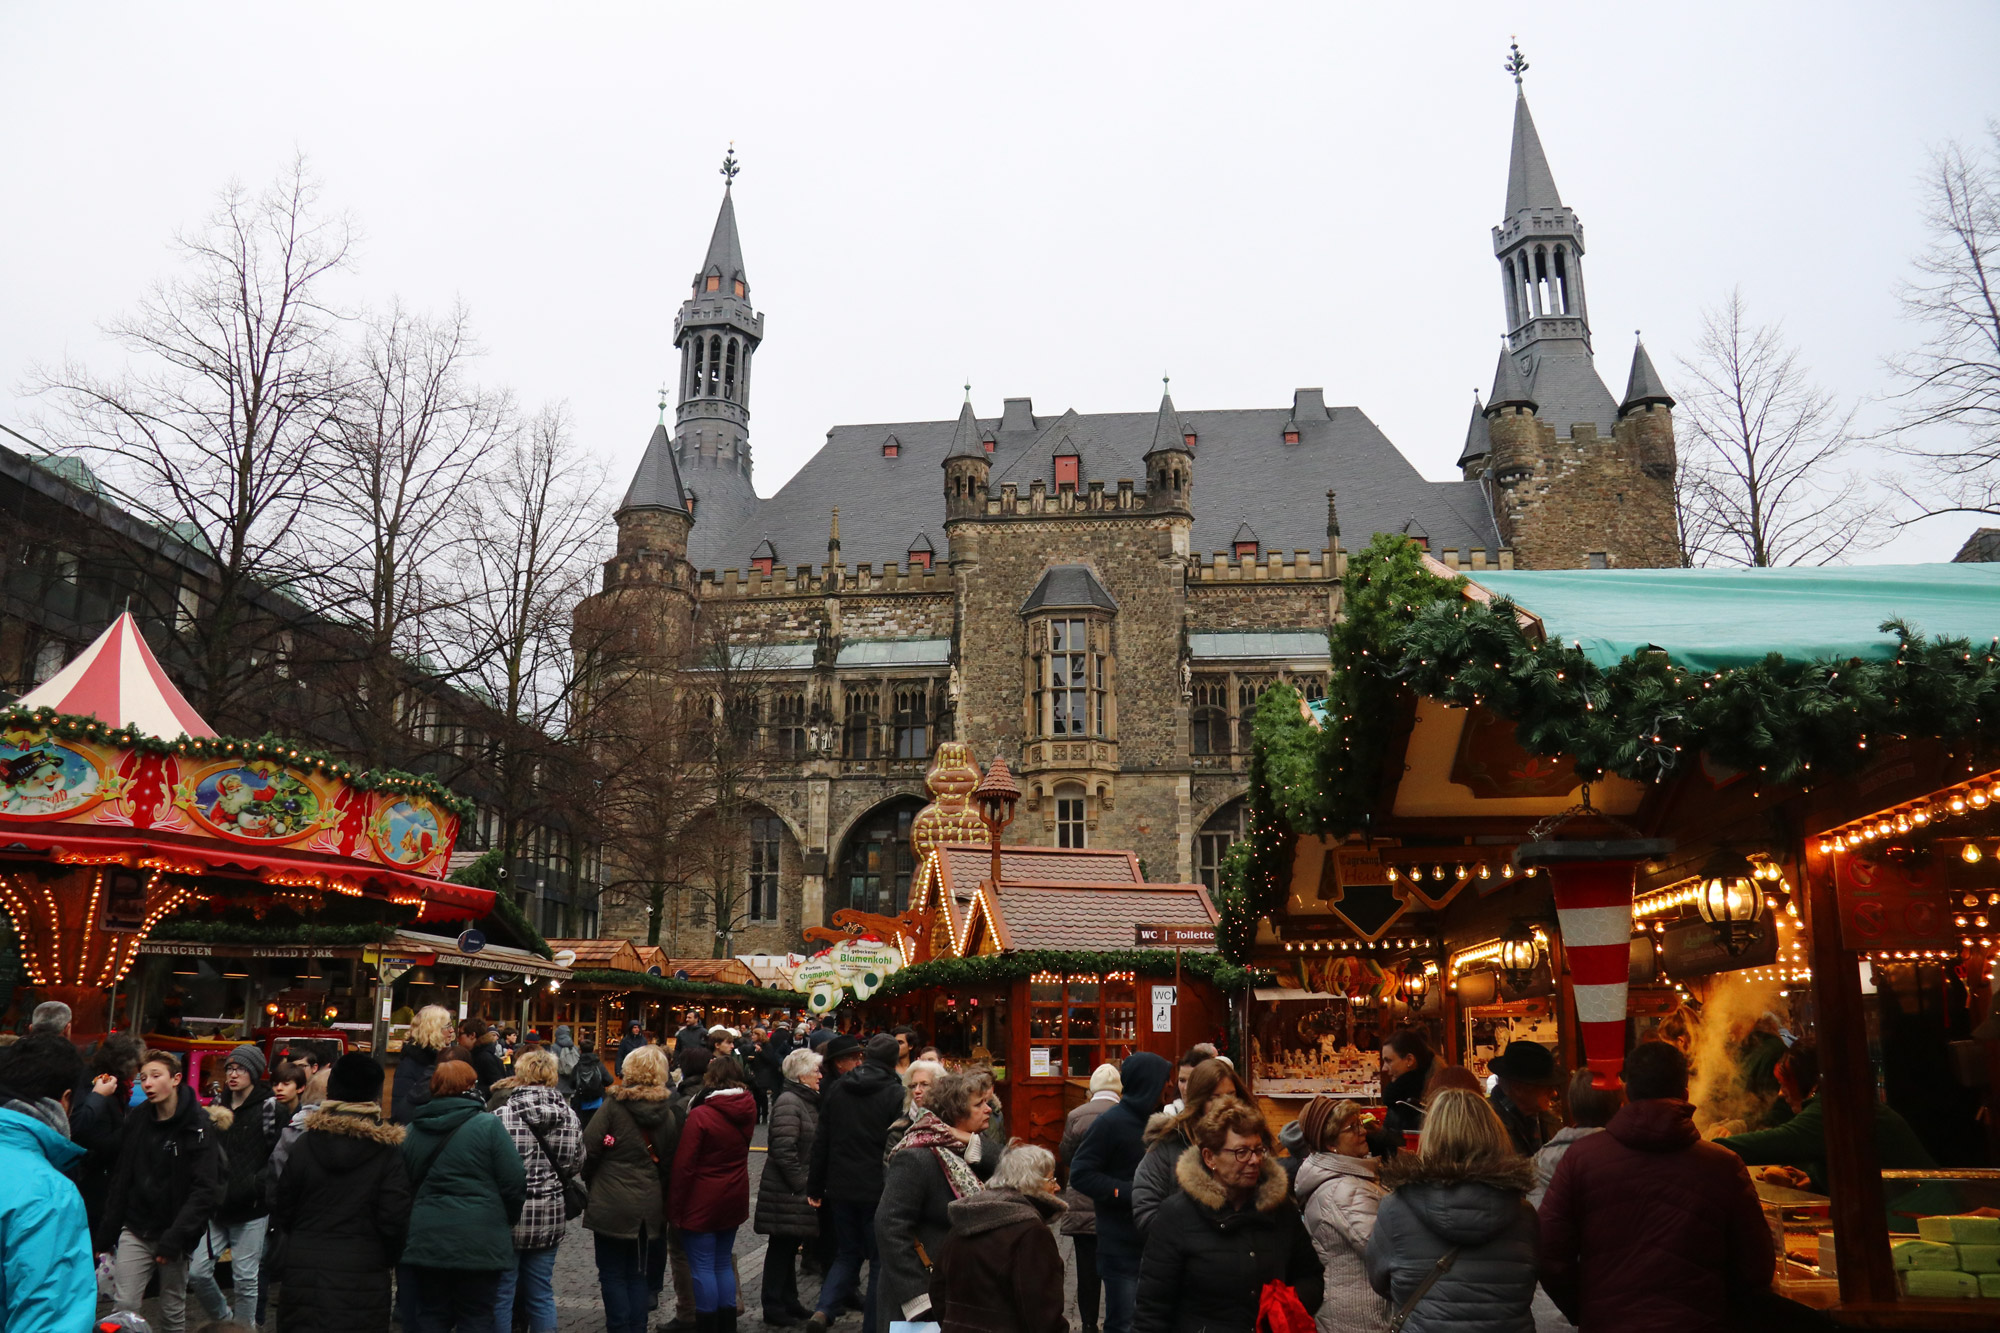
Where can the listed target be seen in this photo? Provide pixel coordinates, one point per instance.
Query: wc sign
(1164, 998)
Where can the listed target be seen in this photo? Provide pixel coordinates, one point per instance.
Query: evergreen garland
(1304, 780)
(484, 873)
(1643, 717)
(76, 727)
(992, 968)
(693, 990)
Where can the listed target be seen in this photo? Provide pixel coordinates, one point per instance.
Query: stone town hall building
(1098, 597)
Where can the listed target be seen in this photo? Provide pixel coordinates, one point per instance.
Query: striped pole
(1594, 913)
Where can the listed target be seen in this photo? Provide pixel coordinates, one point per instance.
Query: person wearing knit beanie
(250, 1060)
(354, 1078)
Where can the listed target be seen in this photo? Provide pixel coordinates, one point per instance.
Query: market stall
(616, 981)
(1726, 808)
(120, 809)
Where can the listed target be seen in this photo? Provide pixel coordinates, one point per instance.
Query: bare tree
(235, 379)
(413, 437)
(1952, 379)
(529, 558)
(1763, 453)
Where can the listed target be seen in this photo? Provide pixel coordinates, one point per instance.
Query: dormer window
(1291, 432)
(892, 447)
(739, 287)
(987, 444)
(1246, 550)
(921, 559)
(714, 283)
(762, 564)
(1188, 439)
(1245, 544)
(921, 552)
(1068, 468)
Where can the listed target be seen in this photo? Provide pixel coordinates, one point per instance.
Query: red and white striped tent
(118, 681)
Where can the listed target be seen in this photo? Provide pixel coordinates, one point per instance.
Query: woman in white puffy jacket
(1337, 1192)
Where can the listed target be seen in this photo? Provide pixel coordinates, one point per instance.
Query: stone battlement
(1271, 566)
(808, 581)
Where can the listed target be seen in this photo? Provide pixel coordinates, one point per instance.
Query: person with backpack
(468, 1188)
(241, 1218)
(341, 1210)
(167, 1184)
(550, 1141)
(589, 1080)
(563, 1046)
(628, 1155)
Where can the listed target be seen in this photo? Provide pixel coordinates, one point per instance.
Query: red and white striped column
(1594, 913)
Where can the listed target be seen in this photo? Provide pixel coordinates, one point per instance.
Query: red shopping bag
(1279, 1310)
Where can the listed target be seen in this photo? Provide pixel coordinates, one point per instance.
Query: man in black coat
(483, 1055)
(846, 1176)
(166, 1186)
(635, 1037)
(1103, 1169)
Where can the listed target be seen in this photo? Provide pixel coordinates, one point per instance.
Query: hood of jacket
(650, 1106)
(1321, 1167)
(44, 1109)
(441, 1115)
(810, 1096)
(1655, 1124)
(1463, 1203)
(537, 1104)
(349, 1125)
(188, 1115)
(735, 1105)
(1193, 1176)
(562, 1037)
(1143, 1076)
(1160, 1125)
(992, 1209)
(27, 1133)
(866, 1080)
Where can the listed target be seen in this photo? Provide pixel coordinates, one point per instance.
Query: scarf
(927, 1131)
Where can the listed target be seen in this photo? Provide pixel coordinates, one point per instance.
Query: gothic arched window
(729, 371)
(714, 387)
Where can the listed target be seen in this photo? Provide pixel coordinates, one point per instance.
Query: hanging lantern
(1729, 900)
(1520, 953)
(1414, 986)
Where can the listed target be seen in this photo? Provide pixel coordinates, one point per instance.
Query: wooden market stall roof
(950, 877)
(1076, 915)
(729, 971)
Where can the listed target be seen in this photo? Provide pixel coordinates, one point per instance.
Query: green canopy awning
(1708, 619)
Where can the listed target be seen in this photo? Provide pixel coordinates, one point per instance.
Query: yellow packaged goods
(1923, 1254)
(1960, 1230)
(1979, 1258)
(1940, 1285)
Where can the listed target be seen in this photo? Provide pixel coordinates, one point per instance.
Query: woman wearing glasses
(1231, 1228)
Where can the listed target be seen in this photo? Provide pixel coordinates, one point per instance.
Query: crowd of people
(1544, 1204)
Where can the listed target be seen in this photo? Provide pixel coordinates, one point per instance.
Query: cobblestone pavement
(580, 1309)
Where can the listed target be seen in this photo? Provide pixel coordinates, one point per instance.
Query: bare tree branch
(1762, 477)
(235, 382)
(1952, 378)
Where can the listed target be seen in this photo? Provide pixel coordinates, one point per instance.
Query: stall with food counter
(614, 982)
(1750, 812)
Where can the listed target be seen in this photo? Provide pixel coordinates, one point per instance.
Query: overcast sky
(1059, 201)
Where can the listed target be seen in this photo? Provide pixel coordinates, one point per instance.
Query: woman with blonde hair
(1169, 1133)
(430, 1032)
(1456, 1243)
(550, 1141)
(628, 1154)
(1338, 1192)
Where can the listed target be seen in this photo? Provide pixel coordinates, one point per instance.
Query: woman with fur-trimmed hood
(1170, 1133)
(628, 1149)
(1462, 1193)
(1229, 1229)
(341, 1208)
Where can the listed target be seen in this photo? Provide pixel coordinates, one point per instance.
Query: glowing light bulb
(1971, 854)
(1978, 798)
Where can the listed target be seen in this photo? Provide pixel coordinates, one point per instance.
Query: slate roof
(725, 250)
(1567, 388)
(1530, 183)
(965, 864)
(1069, 916)
(657, 483)
(1478, 437)
(1242, 465)
(1643, 384)
(1066, 586)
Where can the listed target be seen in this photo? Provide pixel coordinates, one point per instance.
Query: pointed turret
(965, 437)
(1530, 183)
(1478, 437)
(1168, 430)
(1643, 385)
(1510, 386)
(657, 483)
(967, 465)
(725, 254)
(1170, 462)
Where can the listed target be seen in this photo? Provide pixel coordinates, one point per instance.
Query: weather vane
(1516, 65)
(968, 389)
(663, 404)
(1167, 383)
(730, 166)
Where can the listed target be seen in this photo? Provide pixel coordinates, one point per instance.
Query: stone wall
(1560, 499)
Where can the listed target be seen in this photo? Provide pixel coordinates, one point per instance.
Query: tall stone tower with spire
(1577, 478)
(717, 333)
